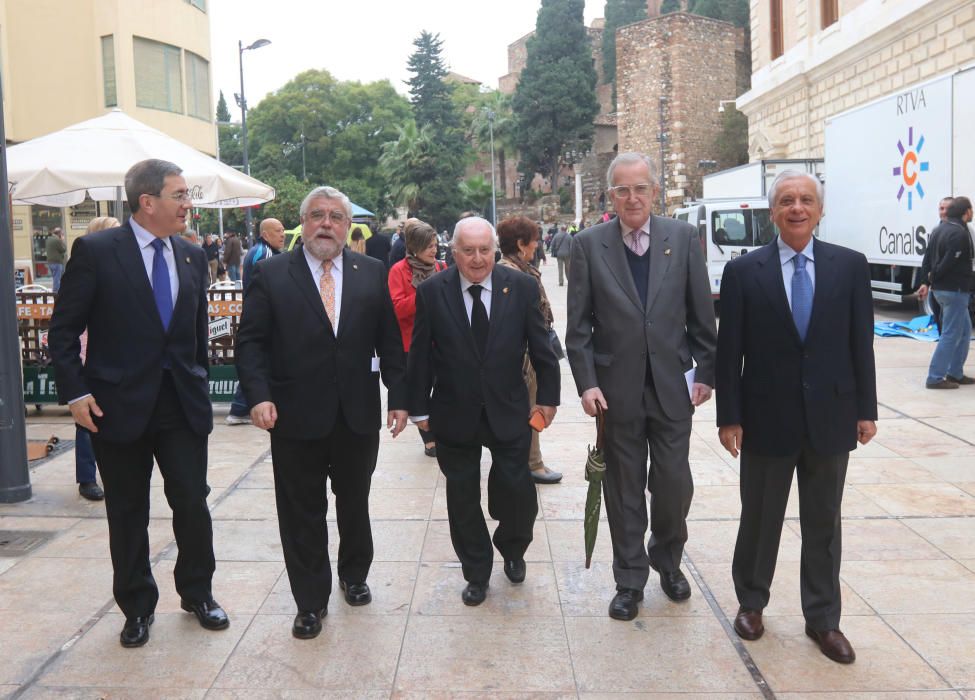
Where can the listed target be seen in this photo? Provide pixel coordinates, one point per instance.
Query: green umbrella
(595, 468)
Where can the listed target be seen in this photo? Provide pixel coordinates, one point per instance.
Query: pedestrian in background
(55, 250)
(419, 264)
(212, 249)
(924, 273)
(233, 254)
(519, 239)
(562, 251)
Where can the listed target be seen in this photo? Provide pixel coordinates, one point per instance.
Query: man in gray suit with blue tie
(640, 316)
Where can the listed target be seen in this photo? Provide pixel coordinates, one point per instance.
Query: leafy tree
(734, 11)
(338, 126)
(555, 101)
(618, 13)
(438, 194)
(223, 114)
(288, 193)
(731, 143)
(403, 160)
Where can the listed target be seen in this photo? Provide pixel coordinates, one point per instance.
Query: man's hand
(866, 429)
(592, 397)
(730, 437)
(423, 425)
(264, 415)
(396, 421)
(922, 292)
(700, 393)
(83, 410)
(548, 413)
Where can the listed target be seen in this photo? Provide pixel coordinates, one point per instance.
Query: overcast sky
(362, 40)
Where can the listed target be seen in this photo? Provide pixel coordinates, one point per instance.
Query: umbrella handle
(600, 426)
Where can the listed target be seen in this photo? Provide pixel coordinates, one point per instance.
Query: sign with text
(219, 328)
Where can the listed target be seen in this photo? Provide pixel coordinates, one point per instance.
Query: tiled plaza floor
(908, 581)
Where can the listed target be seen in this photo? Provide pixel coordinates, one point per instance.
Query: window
(775, 27)
(108, 70)
(158, 75)
(197, 86)
(830, 12)
(742, 227)
(199, 4)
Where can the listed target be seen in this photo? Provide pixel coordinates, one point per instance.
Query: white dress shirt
(145, 239)
(788, 267)
(469, 300)
(317, 268)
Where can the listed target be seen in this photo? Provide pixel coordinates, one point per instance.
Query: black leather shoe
(514, 569)
(475, 593)
(91, 491)
(674, 584)
(356, 593)
(961, 380)
(308, 623)
(430, 451)
(748, 624)
(135, 632)
(623, 605)
(833, 644)
(208, 612)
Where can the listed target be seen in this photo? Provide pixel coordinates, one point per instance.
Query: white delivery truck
(733, 217)
(889, 163)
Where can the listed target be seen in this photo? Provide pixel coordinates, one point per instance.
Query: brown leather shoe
(833, 644)
(748, 624)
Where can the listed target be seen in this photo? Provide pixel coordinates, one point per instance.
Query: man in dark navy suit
(473, 324)
(140, 291)
(796, 391)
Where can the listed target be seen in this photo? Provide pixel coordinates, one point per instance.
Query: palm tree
(477, 194)
(403, 161)
(499, 105)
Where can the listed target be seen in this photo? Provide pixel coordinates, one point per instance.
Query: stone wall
(690, 63)
(787, 120)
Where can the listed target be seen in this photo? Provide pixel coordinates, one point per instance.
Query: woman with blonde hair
(357, 240)
(84, 455)
(419, 264)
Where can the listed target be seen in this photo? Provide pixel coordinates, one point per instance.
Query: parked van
(728, 228)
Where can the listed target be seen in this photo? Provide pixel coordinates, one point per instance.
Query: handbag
(553, 339)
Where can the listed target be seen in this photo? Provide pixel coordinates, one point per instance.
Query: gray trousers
(628, 444)
(563, 270)
(765, 484)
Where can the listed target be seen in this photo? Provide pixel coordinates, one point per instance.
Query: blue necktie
(802, 295)
(161, 289)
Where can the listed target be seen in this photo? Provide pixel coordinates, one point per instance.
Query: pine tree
(223, 114)
(555, 101)
(618, 13)
(438, 201)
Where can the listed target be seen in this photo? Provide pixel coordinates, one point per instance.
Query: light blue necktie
(161, 289)
(802, 296)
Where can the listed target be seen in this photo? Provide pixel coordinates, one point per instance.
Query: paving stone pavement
(908, 580)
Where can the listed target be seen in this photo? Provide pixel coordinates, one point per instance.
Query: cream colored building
(812, 59)
(65, 61)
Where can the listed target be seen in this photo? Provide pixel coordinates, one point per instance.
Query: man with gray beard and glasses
(316, 333)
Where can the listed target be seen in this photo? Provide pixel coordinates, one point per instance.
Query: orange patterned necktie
(327, 288)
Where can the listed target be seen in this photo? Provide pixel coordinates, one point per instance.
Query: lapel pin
(504, 291)
(187, 258)
(667, 252)
(354, 266)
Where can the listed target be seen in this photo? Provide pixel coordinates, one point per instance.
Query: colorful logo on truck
(910, 168)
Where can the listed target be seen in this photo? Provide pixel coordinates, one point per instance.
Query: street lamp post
(663, 173)
(494, 210)
(242, 103)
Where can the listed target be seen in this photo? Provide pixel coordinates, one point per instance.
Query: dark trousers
(126, 470)
(511, 499)
(84, 456)
(628, 444)
(301, 467)
(765, 484)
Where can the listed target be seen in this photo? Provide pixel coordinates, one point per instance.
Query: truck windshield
(742, 227)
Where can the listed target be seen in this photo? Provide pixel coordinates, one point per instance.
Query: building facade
(813, 59)
(672, 73)
(66, 61)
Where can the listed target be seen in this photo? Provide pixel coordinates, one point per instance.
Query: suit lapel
(499, 305)
(350, 290)
(659, 259)
(615, 258)
(130, 259)
(770, 278)
(450, 288)
(184, 273)
(824, 285)
(298, 268)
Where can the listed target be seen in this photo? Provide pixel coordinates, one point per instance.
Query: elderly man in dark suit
(473, 324)
(316, 332)
(144, 393)
(639, 316)
(796, 391)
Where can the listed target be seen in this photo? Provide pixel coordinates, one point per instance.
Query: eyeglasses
(181, 197)
(317, 216)
(624, 191)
